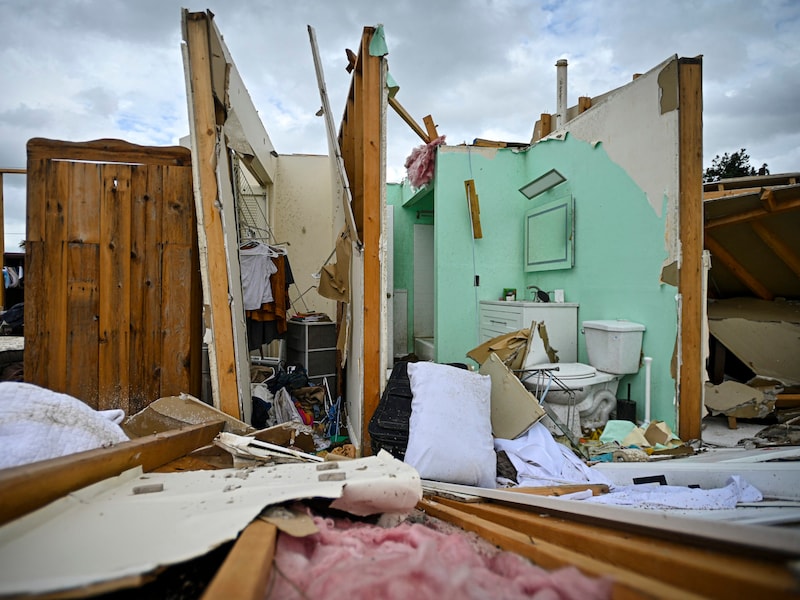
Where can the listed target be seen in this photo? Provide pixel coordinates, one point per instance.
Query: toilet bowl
(583, 396)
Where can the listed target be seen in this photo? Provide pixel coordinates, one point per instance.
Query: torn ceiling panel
(764, 335)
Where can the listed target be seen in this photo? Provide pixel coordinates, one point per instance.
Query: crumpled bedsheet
(540, 460)
(38, 424)
(357, 560)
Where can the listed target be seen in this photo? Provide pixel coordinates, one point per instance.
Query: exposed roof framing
(751, 226)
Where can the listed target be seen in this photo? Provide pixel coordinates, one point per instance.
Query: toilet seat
(568, 371)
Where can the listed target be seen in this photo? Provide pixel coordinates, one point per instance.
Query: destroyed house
(138, 260)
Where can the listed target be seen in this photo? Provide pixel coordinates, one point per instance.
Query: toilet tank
(614, 346)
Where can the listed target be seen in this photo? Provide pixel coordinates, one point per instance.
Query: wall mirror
(550, 236)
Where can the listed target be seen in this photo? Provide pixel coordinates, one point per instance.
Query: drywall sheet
(764, 335)
(132, 524)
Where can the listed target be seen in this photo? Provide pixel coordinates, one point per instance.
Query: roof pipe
(561, 92)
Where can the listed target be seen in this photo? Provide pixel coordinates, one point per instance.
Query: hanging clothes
(269, 321)
(256, 265)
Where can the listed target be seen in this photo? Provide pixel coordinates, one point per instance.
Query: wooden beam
(108, 150)
(430, 127)
(246, 571)
(28, 487)
(560, 490)
(211, 237)
(701, 571)
(549, 556)
(584, 103)
(718, 252)
(398, 108)
(474, 209)
(778, 246)
(547, 124)
(690, 280)
(370, 128)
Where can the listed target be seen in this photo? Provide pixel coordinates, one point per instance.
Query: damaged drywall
(764, 335)
(157, 519)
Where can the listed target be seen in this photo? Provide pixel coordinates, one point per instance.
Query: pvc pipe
(561, 93)
(648, 360)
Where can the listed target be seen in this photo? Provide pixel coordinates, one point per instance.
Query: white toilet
(583, 396)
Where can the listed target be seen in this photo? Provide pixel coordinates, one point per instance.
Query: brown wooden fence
(112, 283)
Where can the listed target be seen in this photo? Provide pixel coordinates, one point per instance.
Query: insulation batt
(421, 162)
(355, 561)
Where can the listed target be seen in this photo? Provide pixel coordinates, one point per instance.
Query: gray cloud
(87, 69)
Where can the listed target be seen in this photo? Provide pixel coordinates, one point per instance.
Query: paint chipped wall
(620, 159)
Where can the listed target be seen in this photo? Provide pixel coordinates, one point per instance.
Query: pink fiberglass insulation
(420, 163)
(356, 560)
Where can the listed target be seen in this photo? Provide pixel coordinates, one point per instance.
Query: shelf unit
(313, 345)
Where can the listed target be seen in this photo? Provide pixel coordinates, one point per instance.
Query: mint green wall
(619, 250)
(404, 221)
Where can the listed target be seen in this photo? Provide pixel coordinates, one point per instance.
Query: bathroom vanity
(561, 320)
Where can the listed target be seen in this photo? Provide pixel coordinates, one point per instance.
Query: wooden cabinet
(313, 345)
(561, 320)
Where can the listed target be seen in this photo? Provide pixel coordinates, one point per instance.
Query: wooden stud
(778, 246)
(213, 258)
(702, 571)
(626, 584)
(28, 487)
(370, 131)
(246, 571)
(430, 127)
(690, 214)
(718, 252)
(474, 209)
(398, 108)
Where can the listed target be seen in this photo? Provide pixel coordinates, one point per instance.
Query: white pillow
(450, 430)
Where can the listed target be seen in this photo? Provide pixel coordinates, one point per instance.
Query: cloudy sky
(86, 69)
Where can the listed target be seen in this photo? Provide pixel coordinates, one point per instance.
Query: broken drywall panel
(764, 335)
(195, 512)
(632, 122)
(513, 408)
(735, 399)
(173, 412)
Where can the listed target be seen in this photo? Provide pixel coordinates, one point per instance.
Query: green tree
(736, 164)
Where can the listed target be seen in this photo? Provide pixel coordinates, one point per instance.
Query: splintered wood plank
(28, 487)
(430, 127)
(626, 584)
(702, 571)
(115, 284)
(246, 571)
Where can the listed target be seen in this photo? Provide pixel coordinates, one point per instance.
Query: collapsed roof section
(751, 226)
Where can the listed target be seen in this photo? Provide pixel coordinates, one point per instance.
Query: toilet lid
(569, 371)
